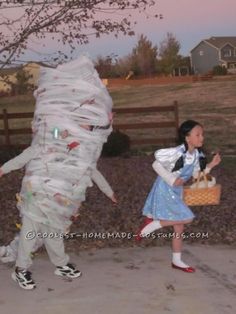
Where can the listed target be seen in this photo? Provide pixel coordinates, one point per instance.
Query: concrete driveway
(129, 281)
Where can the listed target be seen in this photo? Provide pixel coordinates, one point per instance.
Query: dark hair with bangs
(184, 130)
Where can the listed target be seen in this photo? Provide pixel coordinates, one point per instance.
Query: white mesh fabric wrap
(68, 97)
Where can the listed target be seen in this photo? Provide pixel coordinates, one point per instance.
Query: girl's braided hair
(184, 130)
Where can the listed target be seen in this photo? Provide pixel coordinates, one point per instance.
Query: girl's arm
(215, 161)
(167, 176)
(103, 185)
(165, 161)
(19, 161)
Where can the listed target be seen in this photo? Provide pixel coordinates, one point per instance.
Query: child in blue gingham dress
(164, 205)
(165, 202)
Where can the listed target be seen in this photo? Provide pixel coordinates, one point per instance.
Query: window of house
(201, 53)
(227, 53)
(235, 52)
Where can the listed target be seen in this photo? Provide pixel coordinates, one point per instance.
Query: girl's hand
(179, 182)
(215, 161)
(114, 199)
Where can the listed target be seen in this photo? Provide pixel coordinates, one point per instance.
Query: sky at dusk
(189, 20)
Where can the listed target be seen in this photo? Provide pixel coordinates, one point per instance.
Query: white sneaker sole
(28, 287)
(58, 273)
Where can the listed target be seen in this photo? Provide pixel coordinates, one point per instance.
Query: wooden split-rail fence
(7, 132)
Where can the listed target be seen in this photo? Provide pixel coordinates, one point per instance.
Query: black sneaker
(67, 271)
(24, 279)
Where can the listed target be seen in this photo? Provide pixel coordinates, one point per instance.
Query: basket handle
(204, 177)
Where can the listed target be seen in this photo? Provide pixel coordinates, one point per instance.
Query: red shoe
(185, 269)
(146, 222)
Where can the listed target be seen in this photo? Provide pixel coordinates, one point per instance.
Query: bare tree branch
(71, 22)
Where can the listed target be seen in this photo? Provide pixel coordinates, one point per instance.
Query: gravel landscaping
(102, 224)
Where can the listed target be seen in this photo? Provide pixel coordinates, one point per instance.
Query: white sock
(154, 225)
(176, 259)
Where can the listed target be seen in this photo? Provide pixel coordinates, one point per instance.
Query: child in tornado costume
(72, 120)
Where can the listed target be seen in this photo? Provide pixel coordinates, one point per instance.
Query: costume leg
(9, 253)
(54, 244)
(27, 240)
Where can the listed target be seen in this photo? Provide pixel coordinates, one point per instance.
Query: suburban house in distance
(31, 68)
(214, 51)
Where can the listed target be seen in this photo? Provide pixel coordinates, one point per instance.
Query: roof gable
(219, 42)
(202, 42)
(226, 45)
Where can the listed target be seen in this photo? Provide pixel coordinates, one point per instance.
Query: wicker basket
(202, 196)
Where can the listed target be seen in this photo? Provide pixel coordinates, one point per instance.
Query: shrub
(22, 85)
(219, 70)
(117, 144)
(8, 153)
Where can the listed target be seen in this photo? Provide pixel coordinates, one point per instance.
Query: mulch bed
(101, 224)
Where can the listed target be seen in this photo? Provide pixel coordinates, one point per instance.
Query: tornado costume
(72, 120)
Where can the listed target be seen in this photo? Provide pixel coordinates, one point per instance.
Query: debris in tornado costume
(71, 123)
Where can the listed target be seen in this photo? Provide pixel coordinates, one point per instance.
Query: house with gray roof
(212, 52)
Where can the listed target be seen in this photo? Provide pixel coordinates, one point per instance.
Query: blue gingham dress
(165, 202)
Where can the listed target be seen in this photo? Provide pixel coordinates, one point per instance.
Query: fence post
(176, 120)
(6, 128)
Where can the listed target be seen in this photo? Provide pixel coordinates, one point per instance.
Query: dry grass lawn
(212, 103)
